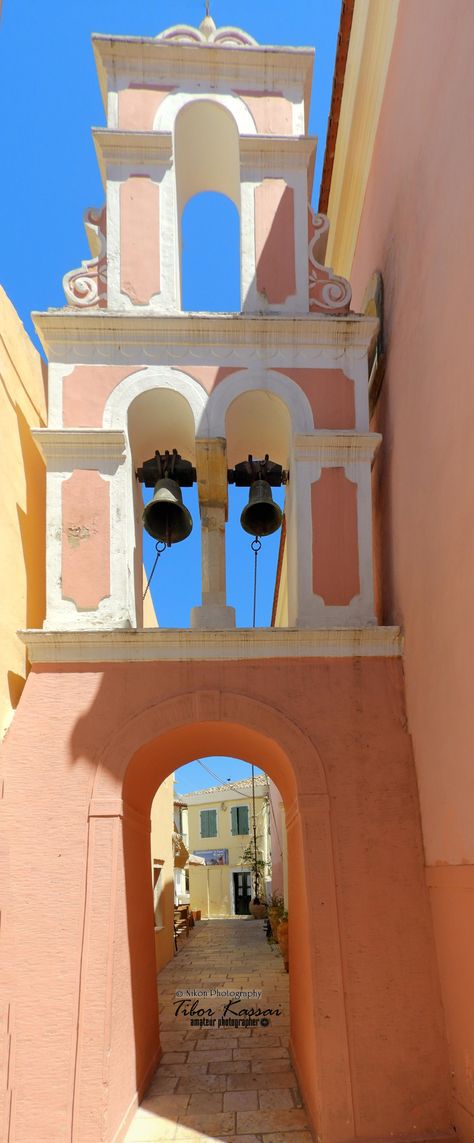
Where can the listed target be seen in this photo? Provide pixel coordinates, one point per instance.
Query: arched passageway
(247, 729)
(110, 733)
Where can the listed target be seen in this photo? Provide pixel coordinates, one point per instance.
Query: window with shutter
(208, 823)
(239, 820)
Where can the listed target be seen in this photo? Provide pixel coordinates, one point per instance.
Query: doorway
(242, 892)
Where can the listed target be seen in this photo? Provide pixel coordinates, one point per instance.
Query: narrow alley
(229, 1082)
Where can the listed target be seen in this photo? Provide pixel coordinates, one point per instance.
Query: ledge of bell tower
(178, 645)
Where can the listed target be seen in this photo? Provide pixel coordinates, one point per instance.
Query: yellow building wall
(210, 890)
(225, 839)
(198, 888)
(370, 47)
(211, 887)
(162, 851)
(22, 503)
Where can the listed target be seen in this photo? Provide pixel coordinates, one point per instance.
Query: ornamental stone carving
(328, 294)
(207, 33)
(86, 288)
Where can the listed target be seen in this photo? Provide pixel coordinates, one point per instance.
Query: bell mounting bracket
(248, 471)
(166, 465)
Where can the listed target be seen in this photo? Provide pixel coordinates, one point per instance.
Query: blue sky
(50, 96)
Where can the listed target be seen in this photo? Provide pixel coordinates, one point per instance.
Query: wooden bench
(181, 923)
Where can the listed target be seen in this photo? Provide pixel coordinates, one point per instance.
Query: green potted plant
(275, 909)
(253, 856)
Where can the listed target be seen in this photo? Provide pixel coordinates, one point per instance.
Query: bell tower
(132, 373)
(142, 392)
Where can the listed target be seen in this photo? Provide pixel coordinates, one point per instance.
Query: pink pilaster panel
(138, 106)
(335, 541)
(139, 239)
(275, 240)
(85, 392)
(85, 539)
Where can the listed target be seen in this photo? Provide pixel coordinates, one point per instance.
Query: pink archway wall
(366, 1024)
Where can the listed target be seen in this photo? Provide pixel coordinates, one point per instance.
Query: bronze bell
(261, 516)
(166, 518)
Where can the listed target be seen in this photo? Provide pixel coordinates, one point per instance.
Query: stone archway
(124, 1017)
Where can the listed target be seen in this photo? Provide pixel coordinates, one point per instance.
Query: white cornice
(69, 335)
(108, 444)
(170, 645)
(147, 58)
(343, 447)
(137, 147)
(145, 147)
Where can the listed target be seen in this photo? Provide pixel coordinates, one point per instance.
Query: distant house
(220, 823)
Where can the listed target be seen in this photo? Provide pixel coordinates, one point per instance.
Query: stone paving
(223, 1083)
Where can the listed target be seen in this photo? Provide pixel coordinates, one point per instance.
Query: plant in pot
(275, 909)
(283, 938)
(253, 856)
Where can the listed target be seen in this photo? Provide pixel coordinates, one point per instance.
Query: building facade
(221, 831)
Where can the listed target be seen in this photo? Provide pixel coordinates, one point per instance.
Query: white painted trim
(69, 335)
(79, 445)
(242, 644)
(125, 147)
(220, 400)
(343, 447)
(158, 377)
(174, 102)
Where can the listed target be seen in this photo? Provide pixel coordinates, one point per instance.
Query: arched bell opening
(207, 159)
(210, 254)
(160, 420)
(258, 424)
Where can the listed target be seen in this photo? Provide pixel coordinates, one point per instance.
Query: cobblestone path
(223, 1083)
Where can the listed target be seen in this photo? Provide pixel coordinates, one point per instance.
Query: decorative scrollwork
(207, 33)
(87, 287)
(328, 293)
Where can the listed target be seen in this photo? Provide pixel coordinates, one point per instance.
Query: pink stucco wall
(85, 392)
(330, 394)
(417, 229)
(140, 275)
(87, 388)
(85, 554)
(271, 112)
(275, 240)
(138, 105)
(366, 1022)
(335, 538)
